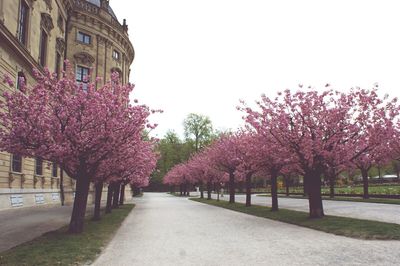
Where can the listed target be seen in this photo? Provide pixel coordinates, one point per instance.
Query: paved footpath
(369, 211)
(167, 230)
(21, 225)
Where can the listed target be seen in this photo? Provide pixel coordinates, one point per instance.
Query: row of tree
(172, 150)
(94, 134)
(307, 133)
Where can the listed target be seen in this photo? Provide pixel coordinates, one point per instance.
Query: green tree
(198, 128)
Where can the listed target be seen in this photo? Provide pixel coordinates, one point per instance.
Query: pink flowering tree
(60, 121)
(224, 155)
(132, 164)
(304, 124)
(316, 127)
(376, 120)
(202, 170)
(180, 175)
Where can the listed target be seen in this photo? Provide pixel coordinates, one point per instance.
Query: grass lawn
(338, 198)
(392, 189)
(60, 248)
(355, 228)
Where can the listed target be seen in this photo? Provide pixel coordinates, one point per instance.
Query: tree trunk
(240, 187)
(79, 210)
(314, 195)
(109, 197)
(287, 186)
(364, 174)
(248, 190)
(331, 186)
(122, 195)
(218, 191)
(209, 190)
(201, 190)
(181, 189)
(231, 188)
(97, 200)
(274, 191)
(117, 189)
(62, 194)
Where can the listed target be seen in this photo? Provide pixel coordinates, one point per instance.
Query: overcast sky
(203, 56)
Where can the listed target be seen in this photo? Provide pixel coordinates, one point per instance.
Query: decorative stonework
(11, 179)
(116, 69)
(43, 181)
(22, 180)
(101, 39)
(35, 180)
(60, 45)
(84, 58)
(48, 4)
(60, 22)
(104, 4)
(47, 22)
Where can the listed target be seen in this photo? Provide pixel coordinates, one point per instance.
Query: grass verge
(370, 200)
(59, 248)
(350, 227)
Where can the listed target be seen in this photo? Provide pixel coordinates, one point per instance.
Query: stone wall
(61, 20)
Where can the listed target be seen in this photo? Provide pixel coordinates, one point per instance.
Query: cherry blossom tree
(302, 124)
(317, 127)
(376, 121)
(133, 164)
(224, 154)
(60, 121)
(180, 176)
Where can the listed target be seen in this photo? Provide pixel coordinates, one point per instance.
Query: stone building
(43, 33)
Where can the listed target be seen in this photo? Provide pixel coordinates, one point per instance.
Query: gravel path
(168, 230)
(369, 211)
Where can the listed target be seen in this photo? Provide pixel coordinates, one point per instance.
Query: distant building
(43, 33)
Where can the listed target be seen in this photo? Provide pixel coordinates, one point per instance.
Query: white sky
(203, 56)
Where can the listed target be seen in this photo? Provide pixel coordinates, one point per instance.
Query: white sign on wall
(39, 198)
(55, 196)
(16, 200)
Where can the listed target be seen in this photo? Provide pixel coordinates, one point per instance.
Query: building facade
(35, 34)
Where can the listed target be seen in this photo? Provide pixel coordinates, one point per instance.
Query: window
(82, 76)
(43, 48)
(20, 80)
(16, 163)
(39, 166)
(84, 38)
(54, 170)
(58, 64)
(115, 55)
(23, 23)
